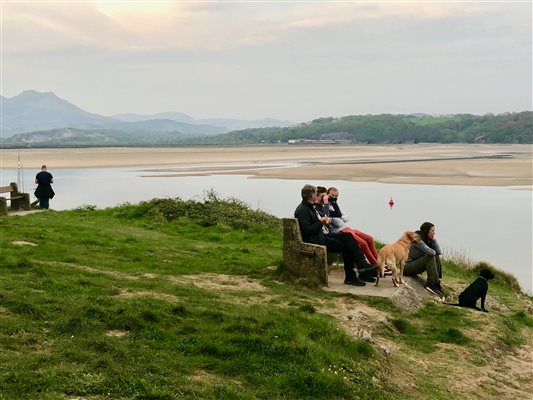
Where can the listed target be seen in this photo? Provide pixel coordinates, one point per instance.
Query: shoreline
(434, 164)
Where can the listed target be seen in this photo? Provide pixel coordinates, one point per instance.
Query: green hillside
(172, 299)
(365, 129)
(387, 128)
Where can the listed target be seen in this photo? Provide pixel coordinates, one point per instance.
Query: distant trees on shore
(388, 128)
(352, 129)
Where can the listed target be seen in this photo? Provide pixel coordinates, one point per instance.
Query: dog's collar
(482, 277)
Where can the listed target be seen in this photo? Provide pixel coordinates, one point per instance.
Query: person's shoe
(387, 272)
(354, 282)
(367, 278)
(367, 267)
(433, 288)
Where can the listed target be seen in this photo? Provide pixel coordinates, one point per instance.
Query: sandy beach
(455, 164)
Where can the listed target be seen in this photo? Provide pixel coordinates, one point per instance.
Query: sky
(291, 60)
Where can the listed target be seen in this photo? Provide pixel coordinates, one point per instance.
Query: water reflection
(482, 223)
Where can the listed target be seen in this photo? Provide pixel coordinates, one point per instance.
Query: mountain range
(32, 111)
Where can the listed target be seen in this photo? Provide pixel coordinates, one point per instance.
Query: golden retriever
(395, 254)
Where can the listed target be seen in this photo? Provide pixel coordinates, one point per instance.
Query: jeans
(44, 202)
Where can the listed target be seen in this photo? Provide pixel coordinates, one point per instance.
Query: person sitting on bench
(314, 229)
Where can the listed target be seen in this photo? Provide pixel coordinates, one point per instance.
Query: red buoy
(391, 203)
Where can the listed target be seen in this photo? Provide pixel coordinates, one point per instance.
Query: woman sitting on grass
(425, 256)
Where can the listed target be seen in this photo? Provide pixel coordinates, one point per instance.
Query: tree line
(388, 128)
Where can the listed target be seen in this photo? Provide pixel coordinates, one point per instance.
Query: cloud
(212, 26)
(289, 60)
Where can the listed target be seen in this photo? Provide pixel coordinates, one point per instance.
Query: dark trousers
(44, 202)
(430, 264)
(344, 242)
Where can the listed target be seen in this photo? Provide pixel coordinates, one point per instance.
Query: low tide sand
(457, 164)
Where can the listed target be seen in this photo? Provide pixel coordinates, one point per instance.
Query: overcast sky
(286, 60)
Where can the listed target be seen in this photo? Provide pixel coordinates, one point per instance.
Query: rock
(356, 315)
(366, 335)
(385, 350)
(383, 319)
(410, 296)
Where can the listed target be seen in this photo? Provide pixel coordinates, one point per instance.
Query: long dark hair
(424, 230)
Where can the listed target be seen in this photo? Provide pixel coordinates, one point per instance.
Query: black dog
(477, 289)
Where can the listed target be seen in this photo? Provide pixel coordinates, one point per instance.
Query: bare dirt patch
(509, 377)
(127, 294)
(355, 317)
(114, 274)
(204, 377)
(220, 282)
(116, 333)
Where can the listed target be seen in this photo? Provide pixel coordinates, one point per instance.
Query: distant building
(313, 141)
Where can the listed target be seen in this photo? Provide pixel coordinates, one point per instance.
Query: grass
(105, 307)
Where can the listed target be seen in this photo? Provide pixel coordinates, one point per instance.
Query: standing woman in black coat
(44, 191)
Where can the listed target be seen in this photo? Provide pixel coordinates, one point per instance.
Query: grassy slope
(128, 271)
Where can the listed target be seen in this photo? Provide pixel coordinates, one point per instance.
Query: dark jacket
(310, 225)
(44, 189)
(422, 248)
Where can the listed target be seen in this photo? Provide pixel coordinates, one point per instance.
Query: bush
(230, 212)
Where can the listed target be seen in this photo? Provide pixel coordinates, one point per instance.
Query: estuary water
(491, 224)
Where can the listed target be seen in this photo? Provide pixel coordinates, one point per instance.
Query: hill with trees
(388, 128)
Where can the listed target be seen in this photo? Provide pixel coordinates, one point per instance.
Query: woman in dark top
(425, 256)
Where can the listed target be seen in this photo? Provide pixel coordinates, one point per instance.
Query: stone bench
(303, 259)
(19, 201)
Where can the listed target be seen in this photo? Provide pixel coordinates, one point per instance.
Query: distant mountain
(175, 116)
(167, 125)
(228, 124)
(236, 124)
(31, 110)
(72, 137)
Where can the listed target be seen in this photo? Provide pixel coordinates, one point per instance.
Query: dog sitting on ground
(394, 255)
(477, 290)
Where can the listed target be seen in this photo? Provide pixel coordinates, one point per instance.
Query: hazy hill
(175, 116)
(73, 137)
(31, 111)
(229, 124)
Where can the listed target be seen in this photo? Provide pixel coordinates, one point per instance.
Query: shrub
(230, 212)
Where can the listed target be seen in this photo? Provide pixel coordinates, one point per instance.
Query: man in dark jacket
(44, 191)
(313, 227)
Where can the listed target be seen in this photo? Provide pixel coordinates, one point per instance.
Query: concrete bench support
(19, 201)
(303, 259)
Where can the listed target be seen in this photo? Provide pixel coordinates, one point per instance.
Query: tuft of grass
(451, 335)
(404, 327)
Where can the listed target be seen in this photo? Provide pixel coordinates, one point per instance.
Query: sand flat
(454, 164)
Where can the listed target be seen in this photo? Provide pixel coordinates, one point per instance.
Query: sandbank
(455, 164)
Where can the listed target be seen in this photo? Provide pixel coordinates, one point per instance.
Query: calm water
(484, 223)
